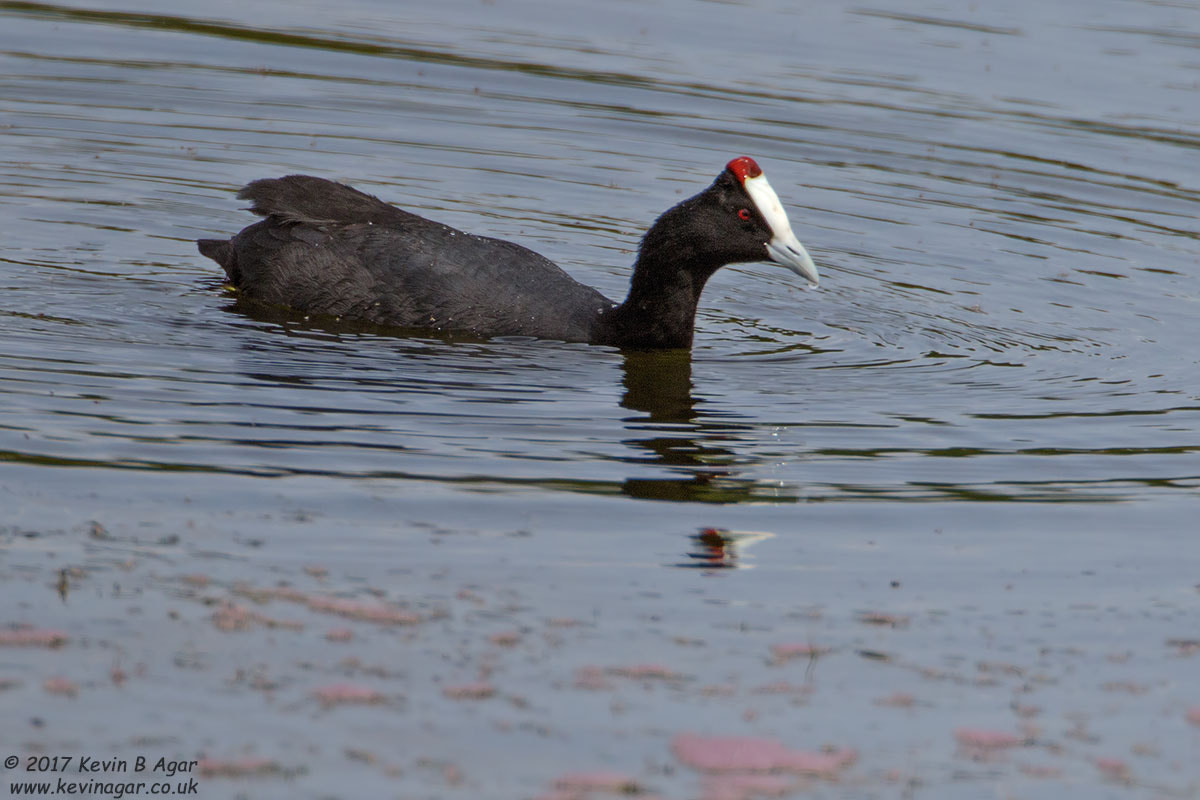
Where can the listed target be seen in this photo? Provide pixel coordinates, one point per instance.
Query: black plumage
(324, 248)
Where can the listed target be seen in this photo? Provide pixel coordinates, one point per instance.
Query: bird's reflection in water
(718, 548)
(672, 435)
(668, 432)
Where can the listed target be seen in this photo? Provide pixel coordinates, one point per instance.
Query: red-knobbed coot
(324, 248)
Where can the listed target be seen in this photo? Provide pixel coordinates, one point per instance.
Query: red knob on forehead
(744, 167)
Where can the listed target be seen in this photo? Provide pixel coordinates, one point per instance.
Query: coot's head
(737, 219)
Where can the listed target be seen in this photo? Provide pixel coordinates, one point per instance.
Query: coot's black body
(327, 249)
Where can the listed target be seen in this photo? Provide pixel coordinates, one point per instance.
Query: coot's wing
(316, 201)
(325, 248)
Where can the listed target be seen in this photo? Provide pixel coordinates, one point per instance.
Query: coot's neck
(668, 277)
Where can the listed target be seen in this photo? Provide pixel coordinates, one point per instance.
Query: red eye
(744, 214)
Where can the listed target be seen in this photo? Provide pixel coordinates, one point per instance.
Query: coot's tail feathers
(222, 252)
(316, 201)
(219, 250)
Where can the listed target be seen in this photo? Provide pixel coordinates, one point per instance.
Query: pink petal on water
(786, 652)
(276, 593)
(728, 753)
(745, 754)
(897, 700)
(598, 781)
(369, 612)
(883, 618)
(505, 639)
(337, 693)
(745, 787)
(61, 686)
(33, 637)
(645, 671)
(1193, 715)
(1113, 768)
(233, 617)
(981, 739)
(784, 687)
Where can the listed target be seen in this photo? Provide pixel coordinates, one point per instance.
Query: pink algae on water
(33, 637)
(746, 787)
(232, 617)
(784, 687)
(646, 672)
(897, 700)
(61, 686)
(983, 743)
(781, 653)
(478, 690)
(883, 618)
(505, 639)
(351, 609)
(348, 693)
(1114, 769)
(368, 612)
(616, 782)
(746, 754)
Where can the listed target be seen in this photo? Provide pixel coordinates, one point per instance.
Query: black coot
(324, 248)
